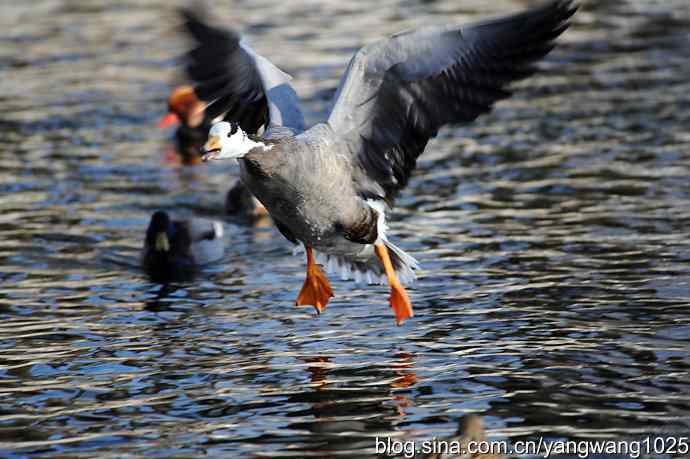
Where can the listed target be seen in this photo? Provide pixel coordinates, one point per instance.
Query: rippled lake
(554, 237)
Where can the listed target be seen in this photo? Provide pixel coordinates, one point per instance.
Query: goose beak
(170, 119)
(162, 243)
(212, 148)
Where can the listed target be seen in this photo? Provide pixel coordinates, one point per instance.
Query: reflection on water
(553, 236)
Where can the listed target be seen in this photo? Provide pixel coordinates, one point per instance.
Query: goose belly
(311, 196)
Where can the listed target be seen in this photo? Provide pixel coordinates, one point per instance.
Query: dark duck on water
(174, 250)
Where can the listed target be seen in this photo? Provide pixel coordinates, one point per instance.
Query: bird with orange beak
(186, 111)
(184, 108)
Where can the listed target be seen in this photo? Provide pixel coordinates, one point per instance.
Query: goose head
(227, 140)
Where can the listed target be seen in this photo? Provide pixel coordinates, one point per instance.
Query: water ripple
(552, 235)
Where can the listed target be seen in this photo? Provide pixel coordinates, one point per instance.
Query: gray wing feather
(283, 104)
(236, 82)
(397, 93)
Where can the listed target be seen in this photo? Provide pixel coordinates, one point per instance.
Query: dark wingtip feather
(196, 24)
(188, 13)
(193, 19)
(563, 9)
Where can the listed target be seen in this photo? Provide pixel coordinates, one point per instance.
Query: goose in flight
(330, 187)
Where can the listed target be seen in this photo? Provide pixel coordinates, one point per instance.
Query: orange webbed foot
(316, 290)
(401, 304)
(399, 300)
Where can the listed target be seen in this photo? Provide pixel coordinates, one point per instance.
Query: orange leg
(400, 302)
(316, 290)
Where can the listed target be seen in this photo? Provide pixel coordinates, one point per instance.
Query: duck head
(183, 107)
(228, 140)
(159, 232)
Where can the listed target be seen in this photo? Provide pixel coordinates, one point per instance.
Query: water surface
(553, 236)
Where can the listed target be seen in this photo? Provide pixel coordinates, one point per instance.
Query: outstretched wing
(397, 93)
(237, 83)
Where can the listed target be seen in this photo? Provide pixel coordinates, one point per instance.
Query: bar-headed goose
(329, 187)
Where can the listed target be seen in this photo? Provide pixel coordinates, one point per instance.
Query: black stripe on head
(233, 128)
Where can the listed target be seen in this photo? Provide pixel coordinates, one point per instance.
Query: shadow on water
(553, 299)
